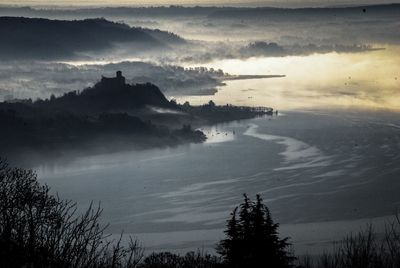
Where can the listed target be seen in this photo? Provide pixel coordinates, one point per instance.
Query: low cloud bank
(40, 80)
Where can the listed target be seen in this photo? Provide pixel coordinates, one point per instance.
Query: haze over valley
(167, 114)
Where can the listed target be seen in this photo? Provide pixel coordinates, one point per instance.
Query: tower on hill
(119, 80)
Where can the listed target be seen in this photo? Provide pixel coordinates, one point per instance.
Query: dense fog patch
(40, 80)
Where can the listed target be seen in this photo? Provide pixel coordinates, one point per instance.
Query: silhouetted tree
(365, 249)
(211, 104)
(38, 230)
(229, 248)
(252, 238)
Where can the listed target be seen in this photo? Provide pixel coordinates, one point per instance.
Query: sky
(280, 3)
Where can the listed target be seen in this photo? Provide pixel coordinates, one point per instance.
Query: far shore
(247, 77)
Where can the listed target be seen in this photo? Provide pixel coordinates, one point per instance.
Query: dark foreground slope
(37, 38)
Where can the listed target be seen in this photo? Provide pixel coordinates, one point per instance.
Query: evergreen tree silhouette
(229, 248)
(252, 238)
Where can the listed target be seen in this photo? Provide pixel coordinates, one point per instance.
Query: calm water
(322, 174)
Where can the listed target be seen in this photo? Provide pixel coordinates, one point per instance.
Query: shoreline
(250, 77)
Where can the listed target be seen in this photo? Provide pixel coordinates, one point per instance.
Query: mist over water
(367, 80)
(336, 58)
(326, 164)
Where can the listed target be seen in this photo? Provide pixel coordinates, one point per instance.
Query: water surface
(321, 174)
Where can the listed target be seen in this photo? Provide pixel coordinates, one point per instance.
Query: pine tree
(229, 247)
(252, 238)
(245, 215)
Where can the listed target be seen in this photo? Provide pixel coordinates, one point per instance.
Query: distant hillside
(156, 11)
(289, 14)
(214, 12)
(33, 38)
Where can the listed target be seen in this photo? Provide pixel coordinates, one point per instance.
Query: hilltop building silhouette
(118, 80)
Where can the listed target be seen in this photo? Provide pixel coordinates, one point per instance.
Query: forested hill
(37, 38)
(105, 117)
(107, 97)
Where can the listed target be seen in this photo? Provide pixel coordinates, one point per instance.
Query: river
(322, 174)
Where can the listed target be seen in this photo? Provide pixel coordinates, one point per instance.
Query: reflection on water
(216, 134)
(369, 79)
